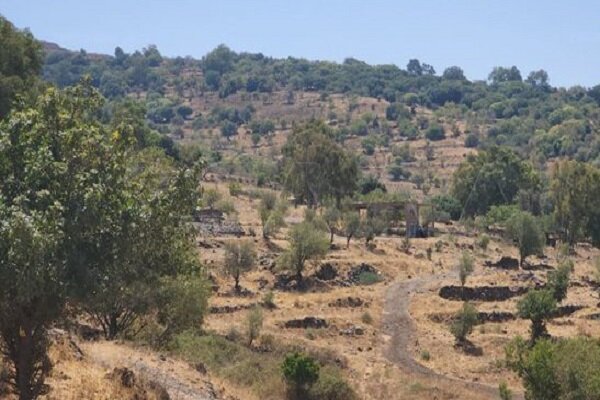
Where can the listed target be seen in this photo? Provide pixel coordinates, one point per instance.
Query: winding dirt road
(399, 325)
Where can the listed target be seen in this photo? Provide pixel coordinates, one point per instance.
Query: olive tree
(350, 225)
(464, 322)
(538, 306)
(306, 243)
(524, 229)
(239, 258)
(465, 267)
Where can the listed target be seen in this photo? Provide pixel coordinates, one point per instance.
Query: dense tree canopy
(20, 63)
(490, 178)
(316, 167)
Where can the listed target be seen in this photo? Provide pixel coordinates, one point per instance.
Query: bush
(331, 386)
(435, 132)
(366, 318)
(368, 278)
(268, 300)
(465, 267)
(300, 372)
(483, 242)
(504, 392)
(235, 189)
(471, 140)
(558, 280)
(464, 322)
(254, 323)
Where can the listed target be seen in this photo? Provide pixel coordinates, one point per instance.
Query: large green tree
(317, 168)
(490, 178)
(83, 220)
(575, 192)
(20, 63)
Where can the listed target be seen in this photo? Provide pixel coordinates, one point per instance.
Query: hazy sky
(560, 36)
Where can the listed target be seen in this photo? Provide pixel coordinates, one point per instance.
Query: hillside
(243, 227)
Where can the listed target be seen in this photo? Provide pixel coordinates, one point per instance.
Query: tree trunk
(331, 236)
(348, 242)
(237, 283)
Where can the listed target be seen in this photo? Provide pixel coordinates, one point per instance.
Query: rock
(504, 263)
(356, 272)
(305, 323)
(482, 293)
(326, 272)
(213, 223)
(349, 301)
(353, 331)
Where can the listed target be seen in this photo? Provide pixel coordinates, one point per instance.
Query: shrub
(504, 392)
(235, 189)
(210, 197)
(465, 267)
(464, 322)
(368, 278)
(483, 242)
(435, 132)
(331, 386)
(366, 318)
(254, 324)
(300, 372)
(425, 356)
(471, 140)
(558, 280)
(268, 300)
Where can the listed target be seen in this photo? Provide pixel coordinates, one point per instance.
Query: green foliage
(350, 225)
(235, 189)
(464, 322)
(483, 242)
(371, 226)
(445, 203)
(300, 372)
(239, 258)
(254, 323)
(331, 386)
(182, 304)
(562, 370)
(86, 219)
(575, 191)
(435, 132)
(524, 229)
(504, 392)
(501, 214)
(210, 197)
(538, 306)
(268, 300)
(316, 168)
(558, 280)
(465, 267)
(272, 212)
(306, 243)
(331, 216)
(491, 178)
(369, 184)
(20, 63)
(368, 278)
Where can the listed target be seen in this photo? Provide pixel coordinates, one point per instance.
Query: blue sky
(562, 37)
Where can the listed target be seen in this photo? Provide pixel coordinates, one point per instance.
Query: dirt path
(180, 380)
(399, 325)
